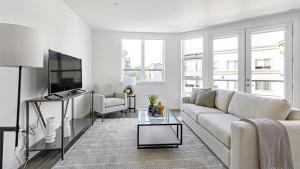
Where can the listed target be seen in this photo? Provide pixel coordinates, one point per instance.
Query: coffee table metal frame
(177, 132)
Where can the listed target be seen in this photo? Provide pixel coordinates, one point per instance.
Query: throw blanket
(273, 144)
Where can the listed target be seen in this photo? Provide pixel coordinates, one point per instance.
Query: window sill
(151, 82)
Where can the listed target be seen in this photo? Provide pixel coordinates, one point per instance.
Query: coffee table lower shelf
(159, 136)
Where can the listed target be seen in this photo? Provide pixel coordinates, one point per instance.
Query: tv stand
(56, 95)
(78, 125)
(77, 91)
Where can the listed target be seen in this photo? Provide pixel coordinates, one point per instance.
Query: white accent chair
(117, 102)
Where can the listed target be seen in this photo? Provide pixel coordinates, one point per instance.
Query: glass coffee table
(164, 131)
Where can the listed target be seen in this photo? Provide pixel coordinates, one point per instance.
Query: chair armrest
(99, 105)
(122, 96)
(186, 99)
(244, 149)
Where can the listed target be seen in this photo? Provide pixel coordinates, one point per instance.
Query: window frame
(183, 59)
(143, 69)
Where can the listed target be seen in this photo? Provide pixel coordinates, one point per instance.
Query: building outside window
(232, 65)
(192, 64)
(267, 72)
(263, 86)
(143, 59)
(263, 63)
(225, 62)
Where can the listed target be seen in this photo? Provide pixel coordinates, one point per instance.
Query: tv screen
(65, 72)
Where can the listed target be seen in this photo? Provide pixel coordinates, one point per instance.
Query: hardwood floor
(47, 159)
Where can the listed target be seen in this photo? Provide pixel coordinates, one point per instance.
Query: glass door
(225, 62)
(192, 50)
(268, 62)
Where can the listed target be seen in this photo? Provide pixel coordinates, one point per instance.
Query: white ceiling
(171, 16)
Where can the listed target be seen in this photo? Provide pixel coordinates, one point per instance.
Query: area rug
(112, 145)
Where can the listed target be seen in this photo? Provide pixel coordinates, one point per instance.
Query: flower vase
(50, 130)
(152, 109)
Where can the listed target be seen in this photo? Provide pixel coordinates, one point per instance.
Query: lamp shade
(20, 46)
(129, 80)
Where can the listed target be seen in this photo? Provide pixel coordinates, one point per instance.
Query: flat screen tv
(64, 72)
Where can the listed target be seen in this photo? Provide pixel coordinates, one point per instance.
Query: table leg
(1, 148)
(138, 136)
(62, 130)
(27, 131)
(180, 134)
(92, 108)
(129, 103)
(72, 108)
(134, 103)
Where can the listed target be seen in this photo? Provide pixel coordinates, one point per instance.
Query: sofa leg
(102, 117)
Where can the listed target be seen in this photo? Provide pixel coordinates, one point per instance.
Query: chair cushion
(193, 110)
(219, 125)
(111, 101)
(223, 98)
(248, 106)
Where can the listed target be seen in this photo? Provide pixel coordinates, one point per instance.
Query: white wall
(107, 66)
(64, 32)
(240, 27)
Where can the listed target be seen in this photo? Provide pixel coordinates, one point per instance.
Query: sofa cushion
(219, 125)
(248, 106)
(223, 98)
(206, 98)
(111, 101)
(193, 110)
(195, 94)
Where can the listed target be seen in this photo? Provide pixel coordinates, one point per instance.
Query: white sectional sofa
(232, 140)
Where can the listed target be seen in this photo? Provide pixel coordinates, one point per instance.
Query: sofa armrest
(244, 149)
(99, 105)
(186, 99)
(293, 129)
(243, 153)
(294, 114)
(122, 96)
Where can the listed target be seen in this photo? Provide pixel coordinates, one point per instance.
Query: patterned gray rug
(112, 145)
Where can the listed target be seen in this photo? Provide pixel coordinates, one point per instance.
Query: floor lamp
(20, 47)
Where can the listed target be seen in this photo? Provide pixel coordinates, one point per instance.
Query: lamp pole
(18, 107)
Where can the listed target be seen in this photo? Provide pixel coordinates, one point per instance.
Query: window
(267, 67)
(263, 86)
(143, 59)
(225, 63)
(263, 63)
(192, 64)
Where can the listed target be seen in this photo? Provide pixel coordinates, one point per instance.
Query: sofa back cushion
(206, 98)
(223, 98)
(195, 94)
(248, 106)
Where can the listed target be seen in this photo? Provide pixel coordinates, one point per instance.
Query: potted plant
(152, 109)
